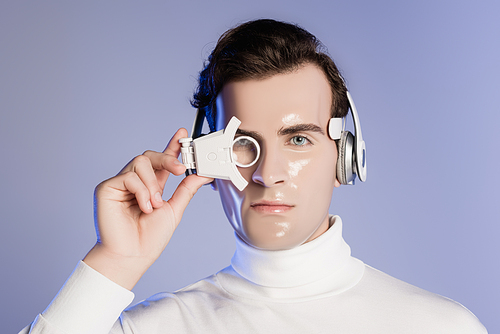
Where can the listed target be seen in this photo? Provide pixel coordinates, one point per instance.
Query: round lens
(246, 151)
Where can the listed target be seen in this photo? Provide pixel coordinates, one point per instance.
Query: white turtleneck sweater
(314, 288)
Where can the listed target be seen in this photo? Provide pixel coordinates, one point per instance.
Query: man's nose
(271, 169)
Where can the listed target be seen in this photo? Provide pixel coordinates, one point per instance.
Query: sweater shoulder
(442, 314)
(202, 292)
(180, 311)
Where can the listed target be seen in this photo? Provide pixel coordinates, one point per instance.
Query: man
(292, 271)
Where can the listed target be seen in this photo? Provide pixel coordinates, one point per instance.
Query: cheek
(247, 172)
(329, 163)
(315, 180)
(231, 200)
(317, 170)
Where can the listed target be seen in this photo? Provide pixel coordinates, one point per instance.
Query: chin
(271, 245)
(274, 236)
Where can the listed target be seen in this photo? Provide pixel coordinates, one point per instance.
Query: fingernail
(177, 162)
(158, 197)
(150, 207)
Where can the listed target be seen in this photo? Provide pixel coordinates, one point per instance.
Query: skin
(285, 204)
(288, 196)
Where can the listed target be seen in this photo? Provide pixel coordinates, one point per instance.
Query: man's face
(286, 201)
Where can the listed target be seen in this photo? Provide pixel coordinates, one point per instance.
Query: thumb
(185, 192)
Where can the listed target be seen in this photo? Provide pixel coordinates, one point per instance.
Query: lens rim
(254, 141)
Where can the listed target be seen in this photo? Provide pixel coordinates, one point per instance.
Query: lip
(271, 206)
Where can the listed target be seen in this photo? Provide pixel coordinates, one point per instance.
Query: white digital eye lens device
(218, 154)
(246, 151)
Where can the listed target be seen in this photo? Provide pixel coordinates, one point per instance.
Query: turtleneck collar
(322, 266)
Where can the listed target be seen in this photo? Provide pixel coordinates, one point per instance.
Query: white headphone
(351, 159)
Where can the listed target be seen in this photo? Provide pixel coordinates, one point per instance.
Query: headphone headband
(359, 144)
(197, 124)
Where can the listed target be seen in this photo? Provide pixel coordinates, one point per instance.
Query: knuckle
(98, 188)
(141, 159)
(101, 186)
(129, 176)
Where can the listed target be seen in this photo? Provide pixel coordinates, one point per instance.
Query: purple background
(84, 87)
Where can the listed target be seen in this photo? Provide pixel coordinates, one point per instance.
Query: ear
(214, 186)
(337, 183)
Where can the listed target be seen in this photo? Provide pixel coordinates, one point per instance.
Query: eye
(299, 140)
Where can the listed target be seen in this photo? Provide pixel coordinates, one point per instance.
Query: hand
(133, 222)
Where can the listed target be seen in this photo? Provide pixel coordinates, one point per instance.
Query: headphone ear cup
(345, 147)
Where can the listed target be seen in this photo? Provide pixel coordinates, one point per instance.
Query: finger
(167, 161)
(164, 164)
(132, 183)
(185, 192)
(174, 147)
(162, 161)
(142, 166)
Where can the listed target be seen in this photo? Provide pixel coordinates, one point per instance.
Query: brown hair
(260, 49)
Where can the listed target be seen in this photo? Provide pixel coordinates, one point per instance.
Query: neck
(325, 225)
(315, 267)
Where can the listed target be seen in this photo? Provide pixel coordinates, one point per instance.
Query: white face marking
(296, 166)
(291, 119)
(283, 229)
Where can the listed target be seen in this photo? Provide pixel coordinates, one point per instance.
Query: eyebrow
(300, 128)
(284, 131)
(253, 134)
